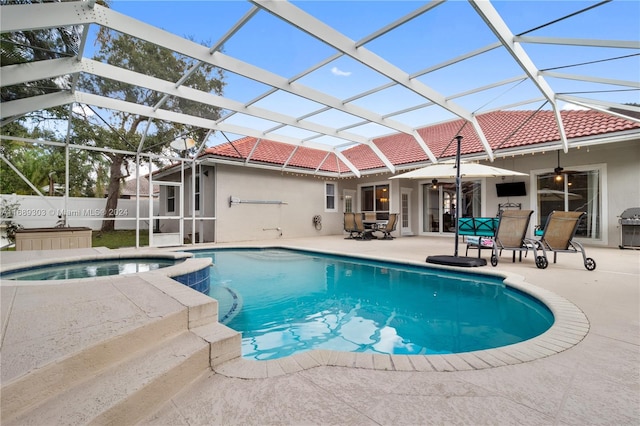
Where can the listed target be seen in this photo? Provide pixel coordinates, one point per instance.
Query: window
(367, 198)
(171, 198)
(330, 196)
(375, 198)
(197, 189)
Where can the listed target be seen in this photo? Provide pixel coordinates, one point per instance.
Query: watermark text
(44, 212)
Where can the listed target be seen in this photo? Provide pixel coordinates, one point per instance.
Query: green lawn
(118, 239)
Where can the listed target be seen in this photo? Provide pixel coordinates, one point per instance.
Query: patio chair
(510, 235)
(350, 225)
(370, 216)
(389, 227)
(354, 226)
(557, 236)
(363, 232)
(479, 232)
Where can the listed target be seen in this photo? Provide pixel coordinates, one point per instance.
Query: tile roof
(129, 187)
(503, 129)
(271, 152)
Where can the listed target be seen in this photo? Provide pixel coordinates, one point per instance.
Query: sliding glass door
(439, 204)
(578, 191)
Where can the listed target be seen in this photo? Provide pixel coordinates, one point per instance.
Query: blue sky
(447, 31)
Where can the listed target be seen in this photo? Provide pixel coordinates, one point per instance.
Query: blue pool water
(89, 269)
(286, 301)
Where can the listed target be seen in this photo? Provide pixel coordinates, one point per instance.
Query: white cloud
(83, 110)
(569, 106)
(339, 72)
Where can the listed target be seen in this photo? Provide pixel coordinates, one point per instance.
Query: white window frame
(374, 185)
(197, 199)
(334, 196)
(173, 188)
(604, 207)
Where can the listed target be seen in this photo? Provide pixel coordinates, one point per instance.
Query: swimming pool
(89, 269)
(286, 301)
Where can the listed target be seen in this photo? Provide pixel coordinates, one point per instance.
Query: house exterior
(254, 189)
(128, 190)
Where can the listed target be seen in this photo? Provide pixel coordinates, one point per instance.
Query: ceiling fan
(435, 183)
(450, 186)
(559, 170)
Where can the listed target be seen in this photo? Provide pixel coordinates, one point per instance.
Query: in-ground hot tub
(90, 268)
(182, 267)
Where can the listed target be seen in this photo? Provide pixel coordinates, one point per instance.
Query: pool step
(225, 343)
(126, 374)
(127, 391)
(31, 389)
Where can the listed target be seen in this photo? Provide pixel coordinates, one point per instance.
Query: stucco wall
(623, 184)
(304, 197)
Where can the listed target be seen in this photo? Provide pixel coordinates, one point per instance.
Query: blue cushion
(479, 226)
(466, 226)
(485, 226)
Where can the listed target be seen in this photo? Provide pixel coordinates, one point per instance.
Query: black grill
(630, 228)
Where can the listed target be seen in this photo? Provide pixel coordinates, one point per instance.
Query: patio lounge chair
(559, 231)
(510, 235)
(389, 227)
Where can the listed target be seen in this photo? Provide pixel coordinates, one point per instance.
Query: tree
(44, 165)
(35, 161)
(12, 151)
(37, 45)
(124, 130)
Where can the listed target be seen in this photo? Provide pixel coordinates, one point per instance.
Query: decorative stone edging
(569, 328)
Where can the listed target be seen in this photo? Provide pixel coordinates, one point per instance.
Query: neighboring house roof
(129, 188)
(503, 129)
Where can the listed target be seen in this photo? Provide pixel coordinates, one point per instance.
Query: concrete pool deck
(596, 381)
